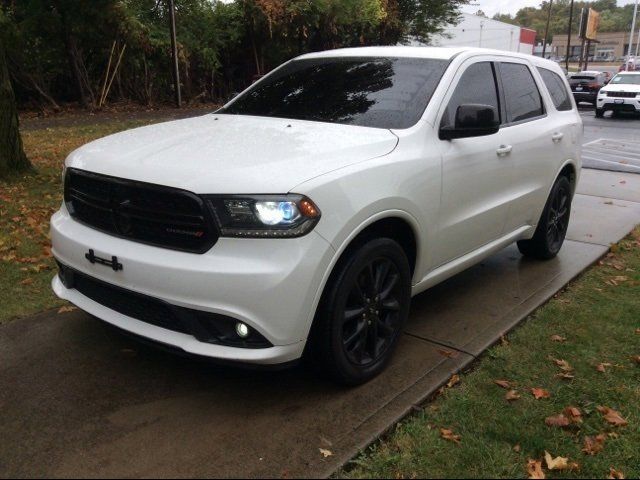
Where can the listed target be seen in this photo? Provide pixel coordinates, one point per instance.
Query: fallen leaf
(636, 358)
(557, 338)
(557, 420)
(613, 473)
(517, 448)
(503, 383)
(455, 379)
(558, 463)
(563, 364)
(573, 414)
(448, 353)
(602, 367)
(595, 444)
(612, 417)
(68, 308)
(539, 393)
(565, 376)
(512, 395)
(449, 435)
(27, 281)
(325, 453)
(534, 469)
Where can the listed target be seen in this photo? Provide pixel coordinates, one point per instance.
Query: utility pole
(569, 35)
(638, 44)
(633, 31)
(174, 53)
(546, 30)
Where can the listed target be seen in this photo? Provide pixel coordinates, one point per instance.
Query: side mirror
(472, 120)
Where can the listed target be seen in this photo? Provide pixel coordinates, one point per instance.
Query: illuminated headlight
(264, 216)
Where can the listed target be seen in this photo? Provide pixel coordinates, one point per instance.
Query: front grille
(161, 216)
(621, 94)
(204, 326)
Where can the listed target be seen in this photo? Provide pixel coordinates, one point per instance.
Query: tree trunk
(12, 157)
(72, 56)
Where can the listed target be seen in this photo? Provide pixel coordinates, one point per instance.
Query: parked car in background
(586, 85)
(622, 94)
(630, 64)
(302, 216)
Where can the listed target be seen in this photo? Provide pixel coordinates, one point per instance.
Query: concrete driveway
(79, 399)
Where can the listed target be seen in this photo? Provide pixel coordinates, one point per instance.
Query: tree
(12, 157)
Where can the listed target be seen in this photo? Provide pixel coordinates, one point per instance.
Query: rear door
(537, 136)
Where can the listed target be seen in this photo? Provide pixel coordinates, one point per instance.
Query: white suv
(622, 94)
(302, 216)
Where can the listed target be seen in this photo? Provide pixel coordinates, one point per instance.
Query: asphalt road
(611, 143)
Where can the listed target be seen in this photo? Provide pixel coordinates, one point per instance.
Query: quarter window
(557, 89)
(477, 85)
(522, 97)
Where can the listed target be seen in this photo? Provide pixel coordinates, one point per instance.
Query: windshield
(626, 79)
(365, 91)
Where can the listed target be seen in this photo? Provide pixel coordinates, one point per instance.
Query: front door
(476, 171)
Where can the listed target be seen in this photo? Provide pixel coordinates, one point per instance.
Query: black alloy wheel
(558, 217)
(362, 312)
(372, 312)
(553, 225)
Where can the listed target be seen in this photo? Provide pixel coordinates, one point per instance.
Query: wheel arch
(390, 223)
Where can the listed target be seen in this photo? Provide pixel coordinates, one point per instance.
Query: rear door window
(522, 97)
(557, 89)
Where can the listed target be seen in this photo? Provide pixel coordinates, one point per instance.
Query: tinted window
(477, 85)
(522, 97)
(557, 89)
(370, 92)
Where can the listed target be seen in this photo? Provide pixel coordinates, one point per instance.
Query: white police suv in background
(302, 216)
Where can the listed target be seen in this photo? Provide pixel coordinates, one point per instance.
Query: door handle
(556, 137)
(504, 150)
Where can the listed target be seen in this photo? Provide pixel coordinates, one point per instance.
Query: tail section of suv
(302, 217)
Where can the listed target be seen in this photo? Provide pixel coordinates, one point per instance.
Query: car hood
(621, 88)
(219, 153)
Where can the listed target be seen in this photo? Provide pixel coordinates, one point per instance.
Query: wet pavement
(80, 399)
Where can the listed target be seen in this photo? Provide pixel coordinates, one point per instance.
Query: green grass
(26, 203)
(601, 324)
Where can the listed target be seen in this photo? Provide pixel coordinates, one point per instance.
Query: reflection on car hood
(622, 87)
(232, 153)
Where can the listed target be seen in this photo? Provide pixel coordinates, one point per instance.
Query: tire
(552, 227)
(367, 298)
(599, 112)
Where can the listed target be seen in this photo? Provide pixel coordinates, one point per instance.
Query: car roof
(443, 53)
(630, 72)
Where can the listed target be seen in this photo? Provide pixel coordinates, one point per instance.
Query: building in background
(611, 46)
(479, 31)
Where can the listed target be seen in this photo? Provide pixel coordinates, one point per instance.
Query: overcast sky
(491, 7)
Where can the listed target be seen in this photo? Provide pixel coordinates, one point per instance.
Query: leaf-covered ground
(566, 383)
(26, 204)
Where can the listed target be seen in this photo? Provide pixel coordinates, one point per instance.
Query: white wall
(474, 31)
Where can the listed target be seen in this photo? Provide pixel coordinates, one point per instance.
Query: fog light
(242, 330)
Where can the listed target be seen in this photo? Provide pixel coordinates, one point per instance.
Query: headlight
(263, 216)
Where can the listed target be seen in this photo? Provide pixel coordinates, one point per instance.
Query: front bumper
(272, 285)
(618, 104)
